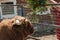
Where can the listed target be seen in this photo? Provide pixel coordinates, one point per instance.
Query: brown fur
(6, 22)
(10, 31)
(27, 25)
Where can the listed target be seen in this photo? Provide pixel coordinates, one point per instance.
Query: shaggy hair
(16, 28)
(25, 24)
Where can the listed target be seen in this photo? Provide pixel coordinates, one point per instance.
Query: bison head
(23, 25)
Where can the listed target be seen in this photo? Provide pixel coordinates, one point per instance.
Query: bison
(17, 28)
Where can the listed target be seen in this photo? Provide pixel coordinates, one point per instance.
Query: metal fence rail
(45, 23)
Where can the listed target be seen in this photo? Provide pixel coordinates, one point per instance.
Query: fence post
(22, 10)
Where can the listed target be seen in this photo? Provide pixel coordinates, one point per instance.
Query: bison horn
(17, 22)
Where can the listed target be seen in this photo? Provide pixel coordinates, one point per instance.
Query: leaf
(37, 5)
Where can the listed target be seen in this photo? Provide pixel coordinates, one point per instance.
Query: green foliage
(37, 4)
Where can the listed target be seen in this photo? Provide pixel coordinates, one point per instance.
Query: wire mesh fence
(43, 23)
(46, 24)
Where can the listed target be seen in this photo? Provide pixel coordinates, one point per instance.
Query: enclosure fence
(44, 23)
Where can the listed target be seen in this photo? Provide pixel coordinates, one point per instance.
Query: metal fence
(43, 24)
(43, 21)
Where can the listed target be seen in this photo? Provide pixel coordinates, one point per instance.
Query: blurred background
(44, 15)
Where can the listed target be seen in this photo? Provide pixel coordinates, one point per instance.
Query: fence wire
(46, 23)
(43, 23)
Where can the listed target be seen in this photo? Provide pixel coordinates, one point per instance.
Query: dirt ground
(47, 37)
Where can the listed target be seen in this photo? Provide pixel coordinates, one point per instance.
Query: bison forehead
(19, 17)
